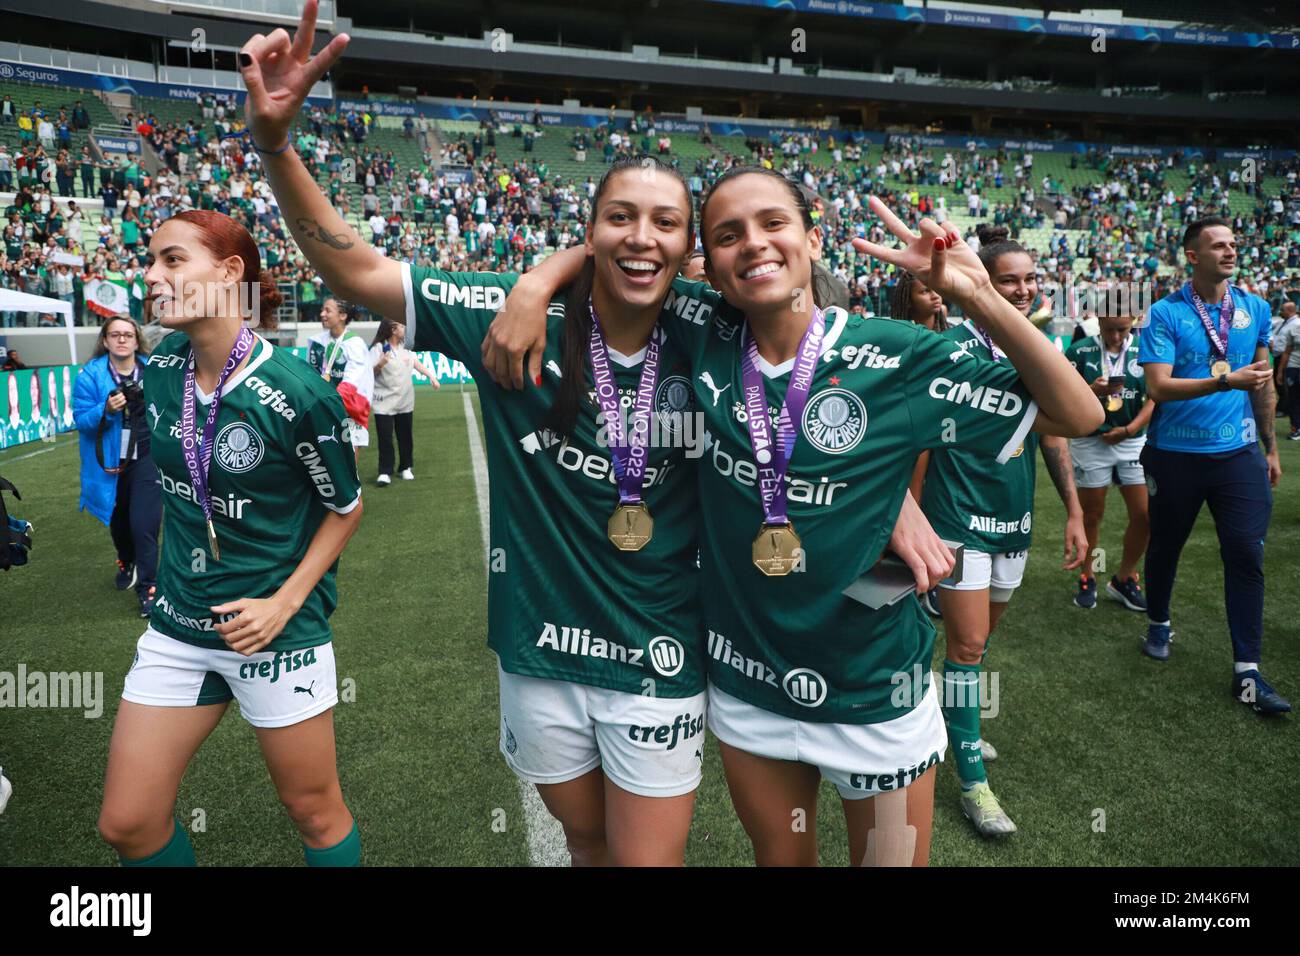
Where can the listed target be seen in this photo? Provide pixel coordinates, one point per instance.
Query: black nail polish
(245, 60)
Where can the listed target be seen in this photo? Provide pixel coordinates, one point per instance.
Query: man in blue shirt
(1205, 353)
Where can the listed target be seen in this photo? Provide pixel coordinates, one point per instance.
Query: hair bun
(989, 233)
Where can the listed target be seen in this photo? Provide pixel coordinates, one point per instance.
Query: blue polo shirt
(1174, 335)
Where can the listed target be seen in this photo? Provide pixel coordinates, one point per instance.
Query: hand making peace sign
(279, 73)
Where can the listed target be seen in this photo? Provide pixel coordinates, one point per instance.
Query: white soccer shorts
(554, 731)
(274, 688)
(861, 760)
(1000, 573)
(1095, 461)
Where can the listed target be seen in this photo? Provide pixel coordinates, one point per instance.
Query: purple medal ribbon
(199, 459)
(1219, 336)
(772, 454)
(628, 452)
(998, 355)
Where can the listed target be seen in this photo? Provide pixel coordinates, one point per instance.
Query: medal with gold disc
(777, 550)
(630, 527)
(1218, 335)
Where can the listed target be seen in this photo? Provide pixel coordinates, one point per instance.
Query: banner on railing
(38, 403)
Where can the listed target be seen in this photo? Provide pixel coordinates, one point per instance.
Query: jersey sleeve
(956, 399)
(689, 316)
(449, 312)
(1075, 358)
(1156, 343)
(359, 371)
(1263, 323)
(324, 451)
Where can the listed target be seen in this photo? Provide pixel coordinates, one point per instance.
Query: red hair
(223, 237)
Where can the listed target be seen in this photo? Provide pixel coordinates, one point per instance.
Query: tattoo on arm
(1060, 466)
(314, 230)
(1263, 403)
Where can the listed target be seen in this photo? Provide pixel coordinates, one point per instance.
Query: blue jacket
(98, 487)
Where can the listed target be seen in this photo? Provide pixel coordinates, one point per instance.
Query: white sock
(1158, 623)
(1240, 667)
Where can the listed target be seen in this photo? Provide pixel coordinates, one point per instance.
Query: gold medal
(630, 526)
(212, 542)
(1221, 367)
(1114, 403)
(777, 549)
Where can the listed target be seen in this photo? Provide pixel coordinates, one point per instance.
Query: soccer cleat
(408, 475)
(6, 789)
(1156, 645)
(1087, 596)
(930, 601)
(983, 810)
(987, 753)
(147, 599)
(1128, 592)
(383, 480)
(126, 575)
(1250, 688)
(1294, 436)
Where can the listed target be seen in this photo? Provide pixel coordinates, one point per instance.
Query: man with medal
(1108, 362)
(1205, 352)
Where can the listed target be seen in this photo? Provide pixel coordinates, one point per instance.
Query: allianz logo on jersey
(803, 685)
(467, 296)
(184, 620)
(595, 466)
(666, 654)
(984, 398)
(989, 524)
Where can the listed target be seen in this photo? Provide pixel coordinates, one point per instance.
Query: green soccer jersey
(882, 392)
(972, 497)
(280, 459)
(1086, 356)
(563, 603)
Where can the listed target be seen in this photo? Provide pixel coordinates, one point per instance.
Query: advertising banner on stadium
(1022, 24)
(57, 76)
(37, 403)
(128, 145)
(449, 371)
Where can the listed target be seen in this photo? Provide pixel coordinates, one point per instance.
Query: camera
(133, 392)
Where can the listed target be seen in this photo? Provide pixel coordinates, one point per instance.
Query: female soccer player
(986, 503)
(259, 499)
(807, 680)
(1108, 362)
(340, 357)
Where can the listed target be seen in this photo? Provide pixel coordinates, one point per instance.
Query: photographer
(119, 481)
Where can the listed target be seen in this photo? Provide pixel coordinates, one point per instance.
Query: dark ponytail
(900, 298)
(570, 398)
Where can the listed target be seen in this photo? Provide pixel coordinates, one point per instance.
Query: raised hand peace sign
(938, 256)
(279, 73)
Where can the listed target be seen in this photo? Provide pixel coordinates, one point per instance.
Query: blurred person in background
(394, 404)
(119, 481)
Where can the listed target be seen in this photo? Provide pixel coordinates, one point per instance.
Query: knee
(586, 845)
(125, 829)
(315, 813)
(967, 648)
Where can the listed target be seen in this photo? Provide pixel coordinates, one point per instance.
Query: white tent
(12, 301)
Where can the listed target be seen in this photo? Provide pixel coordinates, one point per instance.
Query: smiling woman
(246, 579)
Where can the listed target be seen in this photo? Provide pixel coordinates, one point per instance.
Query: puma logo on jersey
(707, 379)
(963, 351)
(305, 690)
(554, 368)
(332, 436)
(720, 649)
(153, 410)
